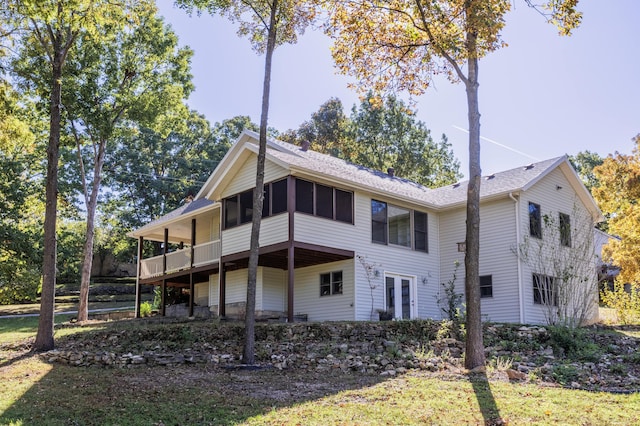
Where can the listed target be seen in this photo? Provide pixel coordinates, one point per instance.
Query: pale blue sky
(543, 96)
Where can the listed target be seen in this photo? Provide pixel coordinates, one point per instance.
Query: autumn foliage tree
(617, 194)
(401, 45)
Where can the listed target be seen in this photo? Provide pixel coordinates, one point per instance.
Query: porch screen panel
(304, 196)
(231, 211)
(344, 206)
(266, 203)
(279, 196)
(246, 206)
(324, 201)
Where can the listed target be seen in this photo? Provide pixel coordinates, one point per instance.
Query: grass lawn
(33, 392)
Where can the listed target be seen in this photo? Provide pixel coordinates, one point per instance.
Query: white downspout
(520, 290)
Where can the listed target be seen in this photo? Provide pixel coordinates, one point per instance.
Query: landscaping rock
(387, 348)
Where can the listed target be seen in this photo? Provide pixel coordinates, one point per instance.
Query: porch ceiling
(179, 230)
(276, 256)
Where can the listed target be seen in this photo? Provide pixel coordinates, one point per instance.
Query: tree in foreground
(401, 45)
(617, 194)
(268, 23)
(47, 30)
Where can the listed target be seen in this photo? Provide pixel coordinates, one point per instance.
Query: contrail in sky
(499, 144)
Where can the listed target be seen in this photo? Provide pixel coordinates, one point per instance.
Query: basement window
(331, 283)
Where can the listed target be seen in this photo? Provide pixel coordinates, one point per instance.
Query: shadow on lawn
(486, 400)
(195, 395)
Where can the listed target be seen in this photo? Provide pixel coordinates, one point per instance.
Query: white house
(342, 242)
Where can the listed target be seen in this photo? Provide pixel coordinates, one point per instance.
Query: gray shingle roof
(377, 181)
(499, 183)
(323, 164)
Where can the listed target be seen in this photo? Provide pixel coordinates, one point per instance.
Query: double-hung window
(565, 230)
(535, 222)
(331, 283)
(544, 290)
(486, 286)
(398, 226)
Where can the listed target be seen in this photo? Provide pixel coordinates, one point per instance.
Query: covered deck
(193, 224)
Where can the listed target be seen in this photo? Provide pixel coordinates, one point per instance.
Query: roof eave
(160, 224)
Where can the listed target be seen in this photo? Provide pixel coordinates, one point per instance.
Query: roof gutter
(519, 262)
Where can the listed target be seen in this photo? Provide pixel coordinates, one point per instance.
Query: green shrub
(145, 309)
(565, 374)
(619, 369)
(573, 343)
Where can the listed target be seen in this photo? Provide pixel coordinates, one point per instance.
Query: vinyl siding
(552, 201)
(214, 292)
(497, 256)
(307, 299)
(236, 287)
(201, 294)
(245, 177)
(273, 230)
(357, 237)
(208, 227)
(274, 289)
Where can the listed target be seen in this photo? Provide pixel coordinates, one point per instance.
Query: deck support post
(138, 273)
(191, 283)
(222, 290)
(291, 204)
(165, 250)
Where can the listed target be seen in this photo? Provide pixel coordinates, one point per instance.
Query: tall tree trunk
(44, 337)
(474, 348)
(87, 260)
(248, 355)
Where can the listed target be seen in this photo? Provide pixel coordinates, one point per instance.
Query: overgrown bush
(625, 303)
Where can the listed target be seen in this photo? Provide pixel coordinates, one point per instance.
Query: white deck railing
(205, 253)
(181, 259)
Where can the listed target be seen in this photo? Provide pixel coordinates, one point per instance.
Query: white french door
(399, 294)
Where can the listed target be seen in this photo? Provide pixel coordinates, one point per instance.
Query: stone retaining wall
(386, 348)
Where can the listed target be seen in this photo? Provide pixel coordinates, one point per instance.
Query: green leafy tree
(326, 130)
(152, 174)
(118, 82)
(48, 31)
(268, 24)
(400, 45)
(584, 162)
(380, 135)
(387, 135)
(20, 207)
